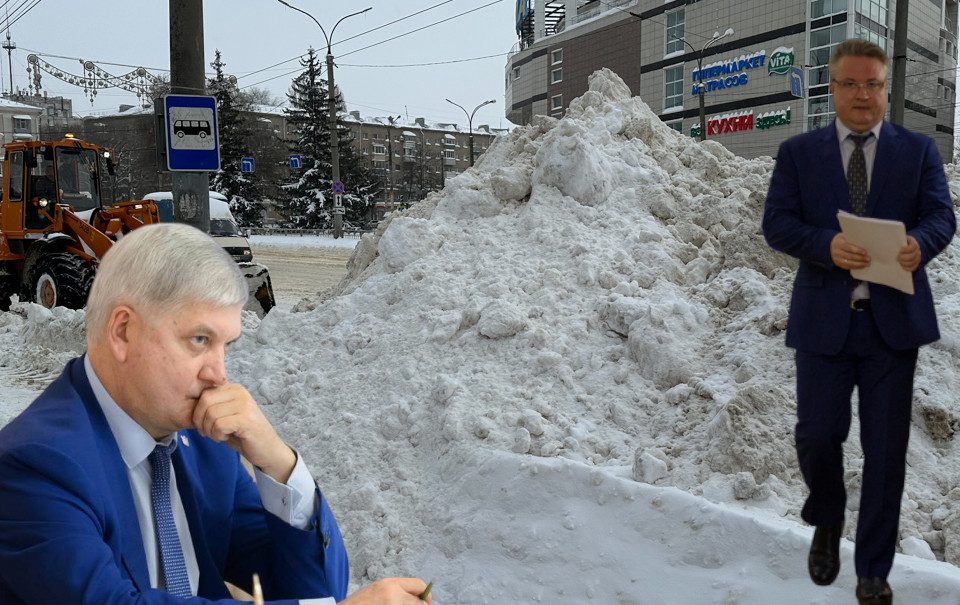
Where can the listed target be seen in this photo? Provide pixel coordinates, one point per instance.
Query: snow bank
(596, 289)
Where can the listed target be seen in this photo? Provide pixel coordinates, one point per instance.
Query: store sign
(724, 74)
(780, 61)
(773, 118)
(738, 122)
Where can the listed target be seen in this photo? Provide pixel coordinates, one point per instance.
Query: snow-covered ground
(563, 380)
(297, 241)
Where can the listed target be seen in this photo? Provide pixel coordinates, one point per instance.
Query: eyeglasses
(872, 87)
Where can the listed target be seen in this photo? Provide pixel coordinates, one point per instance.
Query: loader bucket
(260, 288)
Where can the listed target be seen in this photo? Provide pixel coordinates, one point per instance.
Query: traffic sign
(796, 82)
(193, 142)
(338, 187)
(247, 165)
(296, 161)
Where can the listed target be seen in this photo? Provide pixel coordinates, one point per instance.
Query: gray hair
(162, 268)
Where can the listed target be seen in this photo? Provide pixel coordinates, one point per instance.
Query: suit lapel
(116, 481)
(184, 466)
(831, 167)
(885, 162)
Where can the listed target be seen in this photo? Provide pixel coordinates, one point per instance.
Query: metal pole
(470, 115)
(639, 52)
(717, 36)
(334, 145)
(191, 190)
(332, 109)
(703, 109)
(9, 46)
(899, 86)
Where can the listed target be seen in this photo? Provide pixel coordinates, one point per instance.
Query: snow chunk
(568, 161)
(406, 241)
(500, 319)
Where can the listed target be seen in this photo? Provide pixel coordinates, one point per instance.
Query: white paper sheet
(882, 239)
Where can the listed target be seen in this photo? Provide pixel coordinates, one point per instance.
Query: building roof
(407, 124)
(8, 104)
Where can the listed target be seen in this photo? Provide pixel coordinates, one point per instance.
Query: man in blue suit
(122, 482)
(853, 334)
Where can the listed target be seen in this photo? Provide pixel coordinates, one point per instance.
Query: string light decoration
(94, 78)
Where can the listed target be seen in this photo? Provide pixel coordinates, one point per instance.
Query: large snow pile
(517, 373)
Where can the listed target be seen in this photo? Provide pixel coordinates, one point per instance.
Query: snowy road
(298, 271)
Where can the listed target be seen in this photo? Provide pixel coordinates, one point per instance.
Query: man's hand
(390, 591)
(909, 256)
(846, 255)
(228, 413)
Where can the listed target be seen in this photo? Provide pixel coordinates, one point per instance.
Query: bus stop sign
(191, 137)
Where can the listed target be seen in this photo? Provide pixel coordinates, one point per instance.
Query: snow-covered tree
(239, 188)
(311, 201)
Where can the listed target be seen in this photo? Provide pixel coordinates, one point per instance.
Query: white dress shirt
(869, 155)
(293, 502)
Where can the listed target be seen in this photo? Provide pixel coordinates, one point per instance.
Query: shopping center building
(751, 106)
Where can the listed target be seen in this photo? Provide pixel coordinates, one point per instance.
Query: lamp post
(391, 195)
(717, 36)
(332, 110)
(470, 120)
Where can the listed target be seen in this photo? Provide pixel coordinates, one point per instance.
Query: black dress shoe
(824, 560)
(874, 591)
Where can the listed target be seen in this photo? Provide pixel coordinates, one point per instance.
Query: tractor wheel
(7, 289)
(60, 279)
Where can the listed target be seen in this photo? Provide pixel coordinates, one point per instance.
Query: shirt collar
(843, 132)
(134, 441)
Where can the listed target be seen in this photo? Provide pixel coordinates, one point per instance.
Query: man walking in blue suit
(122, 482)
(849, 333)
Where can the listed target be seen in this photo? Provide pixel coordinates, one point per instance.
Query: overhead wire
(298, 69)
(363, 33)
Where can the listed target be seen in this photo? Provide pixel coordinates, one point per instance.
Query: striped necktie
(173, 570)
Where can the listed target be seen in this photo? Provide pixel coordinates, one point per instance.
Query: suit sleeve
(783, 224)
(936, 222)
(53, 537)
(291, 562)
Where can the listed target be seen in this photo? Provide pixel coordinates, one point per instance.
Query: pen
(426, 593)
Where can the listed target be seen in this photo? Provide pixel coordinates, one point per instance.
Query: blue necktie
(173, 571)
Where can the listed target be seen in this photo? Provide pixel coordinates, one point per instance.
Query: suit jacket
(807, 188)
(69, 531)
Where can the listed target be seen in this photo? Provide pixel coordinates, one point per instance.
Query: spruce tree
(239, 188)
(311, 200)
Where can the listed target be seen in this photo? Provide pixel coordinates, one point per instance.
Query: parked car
(223, 226)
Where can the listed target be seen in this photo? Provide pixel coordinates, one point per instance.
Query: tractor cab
(40, 175)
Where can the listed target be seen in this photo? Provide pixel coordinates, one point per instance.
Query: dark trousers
(884, 381)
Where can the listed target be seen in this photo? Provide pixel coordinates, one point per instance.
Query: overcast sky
(254, 34)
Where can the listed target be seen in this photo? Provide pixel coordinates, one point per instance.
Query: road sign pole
(191, 197)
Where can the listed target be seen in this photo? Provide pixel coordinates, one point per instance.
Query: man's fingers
(414, 586)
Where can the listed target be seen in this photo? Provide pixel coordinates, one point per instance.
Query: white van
(223, 227)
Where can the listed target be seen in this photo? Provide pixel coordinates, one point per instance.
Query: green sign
(773, 118)
(780, 61)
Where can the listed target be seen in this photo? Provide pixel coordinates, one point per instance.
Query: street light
(332, 110)
(391, 196)
(717, 36)
(470, 120)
